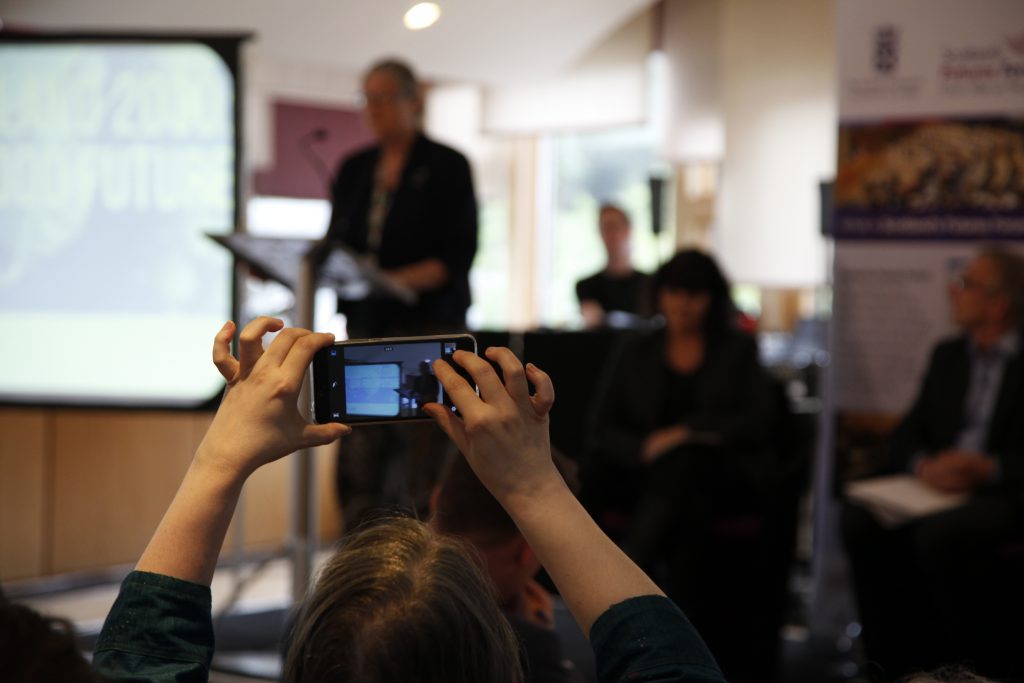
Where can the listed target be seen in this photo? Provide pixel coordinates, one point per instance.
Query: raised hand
(258, 420)
(503, 432)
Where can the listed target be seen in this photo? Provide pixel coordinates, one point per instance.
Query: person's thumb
(321, 435)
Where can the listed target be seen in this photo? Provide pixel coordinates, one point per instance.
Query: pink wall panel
(294, 173)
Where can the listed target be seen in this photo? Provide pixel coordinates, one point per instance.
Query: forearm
(188, 540)
(590, 571)
(422, 276)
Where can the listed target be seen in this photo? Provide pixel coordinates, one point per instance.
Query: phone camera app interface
(392, 380)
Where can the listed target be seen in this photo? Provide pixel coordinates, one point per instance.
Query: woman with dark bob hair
(398, 602)
(685, 419)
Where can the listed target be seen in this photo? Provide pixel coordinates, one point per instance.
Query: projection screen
(116, 156)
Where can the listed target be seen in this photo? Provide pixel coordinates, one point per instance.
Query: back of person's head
(401, 602)
(954, 674)
(696, 271)
(37, 648)
(463, 506)
(1010, 268)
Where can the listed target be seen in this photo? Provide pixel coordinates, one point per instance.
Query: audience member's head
(401, 602)
(463, 506)
(988, 296)
(393, 101)
(692, 294)
(37, 648)
(615, 227)
(953, 674)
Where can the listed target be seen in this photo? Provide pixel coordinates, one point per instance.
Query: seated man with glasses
(926, 590)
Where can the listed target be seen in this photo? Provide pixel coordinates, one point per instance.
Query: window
(589, 169)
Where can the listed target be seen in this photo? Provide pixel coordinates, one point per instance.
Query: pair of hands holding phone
(503, 431)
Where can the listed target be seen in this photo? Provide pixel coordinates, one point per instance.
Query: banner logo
(887, 49)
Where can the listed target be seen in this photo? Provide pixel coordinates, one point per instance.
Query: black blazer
(433, 214)
(936, 418)
(736, 406)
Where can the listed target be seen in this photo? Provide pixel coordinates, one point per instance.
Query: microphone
(306, 146)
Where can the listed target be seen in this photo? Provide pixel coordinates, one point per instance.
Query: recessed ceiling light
(422, 15)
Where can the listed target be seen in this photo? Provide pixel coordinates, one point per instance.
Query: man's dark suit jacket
(433, 214)
(936, 418)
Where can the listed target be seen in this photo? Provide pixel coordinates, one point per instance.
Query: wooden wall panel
(84, 489)
(23, 479)
(265, 506)
(115, 472)
(327, 501)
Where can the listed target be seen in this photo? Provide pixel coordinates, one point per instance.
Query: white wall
(606, 87)
(779, 103)
(692, 36)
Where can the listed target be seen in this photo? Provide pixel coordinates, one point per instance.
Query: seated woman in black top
(685, 419)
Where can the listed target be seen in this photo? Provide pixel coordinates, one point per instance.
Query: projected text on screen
(115, 159)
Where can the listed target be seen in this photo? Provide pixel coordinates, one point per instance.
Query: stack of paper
(901, 498)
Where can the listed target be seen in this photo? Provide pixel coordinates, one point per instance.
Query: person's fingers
(491, 389)
(512, 370)
(227, 365)
(250, 342)
(302, 351)
(282, 345)
(544, 390)
(449, 423)
(320, 435)
(457, 388)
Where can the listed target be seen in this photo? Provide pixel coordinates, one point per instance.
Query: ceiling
(484, 41)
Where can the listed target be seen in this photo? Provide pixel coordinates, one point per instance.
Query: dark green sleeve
(158, 631)
(649, 640)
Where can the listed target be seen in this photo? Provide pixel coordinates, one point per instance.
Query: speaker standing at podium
(408, 204)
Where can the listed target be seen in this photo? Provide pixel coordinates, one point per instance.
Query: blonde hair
(948, 674)
(401, 602)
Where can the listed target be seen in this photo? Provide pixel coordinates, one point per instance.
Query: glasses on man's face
(965, 283)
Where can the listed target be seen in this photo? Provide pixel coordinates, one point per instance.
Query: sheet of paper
(900, 498)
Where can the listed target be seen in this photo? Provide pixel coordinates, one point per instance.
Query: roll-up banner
(930, 165)
(931, 106)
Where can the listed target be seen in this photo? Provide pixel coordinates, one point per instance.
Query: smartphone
(373, 381)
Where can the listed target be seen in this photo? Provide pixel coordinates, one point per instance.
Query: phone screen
(381, 380)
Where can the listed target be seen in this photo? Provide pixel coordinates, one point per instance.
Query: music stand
(303, 265)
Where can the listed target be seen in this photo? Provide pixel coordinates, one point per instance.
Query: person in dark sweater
(618, 287)
(397, 602)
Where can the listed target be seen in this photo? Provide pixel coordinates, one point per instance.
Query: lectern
(304, 265)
